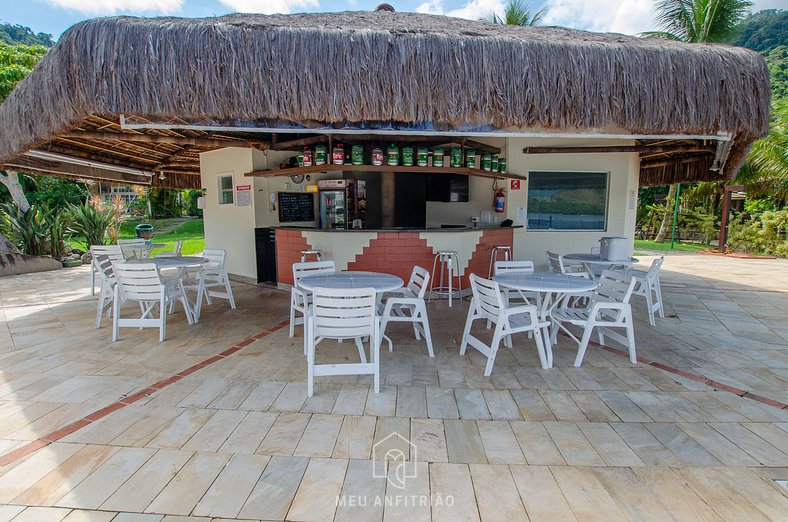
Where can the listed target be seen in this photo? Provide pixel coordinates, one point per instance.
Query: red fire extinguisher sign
(515, 184)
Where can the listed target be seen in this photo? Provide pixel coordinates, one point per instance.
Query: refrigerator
(343, 203)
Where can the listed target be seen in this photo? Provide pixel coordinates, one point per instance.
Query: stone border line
(56, 435)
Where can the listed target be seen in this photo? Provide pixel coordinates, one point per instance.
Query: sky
(620, 16)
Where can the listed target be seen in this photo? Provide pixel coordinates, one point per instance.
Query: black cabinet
(265, 245)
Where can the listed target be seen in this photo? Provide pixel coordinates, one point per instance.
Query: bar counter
(392, 251)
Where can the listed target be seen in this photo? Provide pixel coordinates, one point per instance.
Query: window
(567, 200)
(226, 189)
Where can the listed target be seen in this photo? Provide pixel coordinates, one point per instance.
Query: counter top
(404, 229)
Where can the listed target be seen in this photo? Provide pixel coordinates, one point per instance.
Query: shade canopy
(150, 94)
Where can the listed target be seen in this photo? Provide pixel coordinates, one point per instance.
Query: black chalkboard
(296, 206)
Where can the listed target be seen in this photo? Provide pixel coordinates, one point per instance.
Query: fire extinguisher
(500, 198)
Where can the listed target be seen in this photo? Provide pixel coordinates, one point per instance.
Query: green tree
(517, 13)
(695, 21)
(777, 60)
(19, 34)
(764, 30)
(766, 170)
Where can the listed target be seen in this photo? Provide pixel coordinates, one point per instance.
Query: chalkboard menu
(296, 206)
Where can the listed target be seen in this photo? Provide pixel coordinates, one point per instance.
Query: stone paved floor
(196, 436)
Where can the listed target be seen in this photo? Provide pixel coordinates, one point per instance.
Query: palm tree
(766, 170)
(517, 13)
(695, 21)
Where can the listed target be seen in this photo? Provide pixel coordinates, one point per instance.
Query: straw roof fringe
(366, 68)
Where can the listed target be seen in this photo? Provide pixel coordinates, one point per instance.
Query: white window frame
(221, 191)
(608, 177)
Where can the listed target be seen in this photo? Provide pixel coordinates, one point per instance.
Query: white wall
(229, 226)
(623, 169)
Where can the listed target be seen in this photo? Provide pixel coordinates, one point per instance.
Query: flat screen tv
(448, 188)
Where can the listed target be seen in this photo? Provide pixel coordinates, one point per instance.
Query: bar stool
(306, 253)
(507, 255)
(449, 261)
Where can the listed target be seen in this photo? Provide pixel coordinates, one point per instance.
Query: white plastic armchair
(649, 288)
(213, 280)
(608, 307)
(343, 314)
(515, 267)
(107, 290)
(487, 304)
(409, 307)
(555, 263)
(176, 250)
(113, 252)
(141, 282)
(133, 248)
(300, 299)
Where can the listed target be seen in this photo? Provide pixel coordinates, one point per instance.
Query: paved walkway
(215, 423)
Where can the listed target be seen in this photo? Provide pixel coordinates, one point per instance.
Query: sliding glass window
(567, 200)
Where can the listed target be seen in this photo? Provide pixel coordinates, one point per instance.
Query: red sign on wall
(515, 184)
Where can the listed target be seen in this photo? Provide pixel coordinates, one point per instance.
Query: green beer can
(357, 155)
(407, 156)
(437, 157)
(456, 158)
(392, 155)
(486, 161)
(470, 158)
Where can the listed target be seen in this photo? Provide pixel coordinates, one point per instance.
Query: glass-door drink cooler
(342, 203)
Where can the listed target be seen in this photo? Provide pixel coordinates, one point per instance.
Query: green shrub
(763, 234)
(93, 220)
(29, 230)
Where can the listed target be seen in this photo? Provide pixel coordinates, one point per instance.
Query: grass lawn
(191, 232)
(645, 244)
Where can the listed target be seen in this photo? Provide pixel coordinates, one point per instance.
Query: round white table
(550, 289)
(591, 261)
(380, 282)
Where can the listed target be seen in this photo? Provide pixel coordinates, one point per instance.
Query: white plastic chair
(212, 275)
(515, 267)
(648, 287)
(107, 290)
(487, 304)
(409, 307)
(142, 283)
(133, 248)
(608, 307)
(114, 253)
(555, 263)
(343, 314)
(176, 250)
(300, 298)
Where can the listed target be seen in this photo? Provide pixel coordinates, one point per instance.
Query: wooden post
(726, 209)
(387, 195)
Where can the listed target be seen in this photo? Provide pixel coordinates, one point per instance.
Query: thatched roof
(361, 69)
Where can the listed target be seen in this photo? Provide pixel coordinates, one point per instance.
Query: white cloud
(472, 10)
(115, 6)
(431, 7)
(269, 6)
(616, 16)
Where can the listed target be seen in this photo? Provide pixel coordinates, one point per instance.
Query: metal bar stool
(449, 261)
(306, 253)
(507, 255)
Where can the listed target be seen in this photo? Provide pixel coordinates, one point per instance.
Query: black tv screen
(448, 188)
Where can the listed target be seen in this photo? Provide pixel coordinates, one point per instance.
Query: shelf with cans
(392, 158)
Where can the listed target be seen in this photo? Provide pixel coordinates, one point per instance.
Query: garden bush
(766, 233)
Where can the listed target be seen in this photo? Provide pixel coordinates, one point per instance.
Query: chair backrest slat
(139, 281)
(614, 286)
(216, 258)
(654, 269)
(419, 279)
(312, 268)
(554, 262)
(513, 267)
(114, 252)
(343, 313)
(487, 297)
(105, 266)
